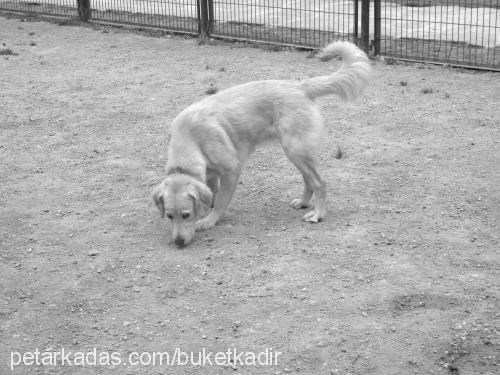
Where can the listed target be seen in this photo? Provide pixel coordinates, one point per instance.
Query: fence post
(203, 19)
(365, 25)
(356, 22)
(210, 16)
(377, 27)
(83, 9)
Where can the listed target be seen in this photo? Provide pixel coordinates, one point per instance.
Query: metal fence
(61, 8)
(458, 32)
(299, 23)
(173, 15)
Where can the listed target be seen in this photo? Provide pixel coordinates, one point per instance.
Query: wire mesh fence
(62, 8)
(175, 15)
(300, 23)
(459, 32)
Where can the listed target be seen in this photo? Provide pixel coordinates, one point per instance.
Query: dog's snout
(179, 241)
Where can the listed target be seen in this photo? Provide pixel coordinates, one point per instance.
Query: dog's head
(183, 200)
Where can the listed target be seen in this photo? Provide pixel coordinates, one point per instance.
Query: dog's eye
(185, 215)
(170, 216)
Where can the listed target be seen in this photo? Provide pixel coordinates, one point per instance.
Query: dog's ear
(158, 198)
(200, 193)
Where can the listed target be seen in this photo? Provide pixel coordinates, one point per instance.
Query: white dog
(211, 140)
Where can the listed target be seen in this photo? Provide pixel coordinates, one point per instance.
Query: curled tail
(349, 81)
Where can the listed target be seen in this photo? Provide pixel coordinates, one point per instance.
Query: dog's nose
(179, 241)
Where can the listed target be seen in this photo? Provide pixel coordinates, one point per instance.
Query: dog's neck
(189, 172)
(186, 159)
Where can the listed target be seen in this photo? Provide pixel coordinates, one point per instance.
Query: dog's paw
(298, 203)
(313, 216)
(203, 225)
(206, 223)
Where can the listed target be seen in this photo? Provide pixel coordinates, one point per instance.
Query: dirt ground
(403, 276)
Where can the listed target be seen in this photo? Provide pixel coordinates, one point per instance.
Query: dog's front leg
(227, 187)
(213, 184)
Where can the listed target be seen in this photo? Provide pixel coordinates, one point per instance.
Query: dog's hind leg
(299, 133)
(305, 200)
(313, 184)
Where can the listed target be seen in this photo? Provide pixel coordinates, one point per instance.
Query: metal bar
(83, 9)
(198, 13)
(356, 20)
(365, 26)
(210, 16)
(204, 18)
(377, 27)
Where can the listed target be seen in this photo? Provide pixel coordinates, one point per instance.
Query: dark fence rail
(458, 32)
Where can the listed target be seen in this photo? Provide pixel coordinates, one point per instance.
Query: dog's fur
(211, 140)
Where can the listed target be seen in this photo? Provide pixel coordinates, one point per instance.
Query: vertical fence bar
(198, 14)
(83, 9)
(356, 21)
(365, 25)
(203, 20)
(210, 16)
(377, 27)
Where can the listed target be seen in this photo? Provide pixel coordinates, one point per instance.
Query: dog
(211, 140)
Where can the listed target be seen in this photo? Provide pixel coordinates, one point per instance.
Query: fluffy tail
(349, 81)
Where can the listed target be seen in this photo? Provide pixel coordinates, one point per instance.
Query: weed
(390, 61)
(311, 55)
(339, 154)
(7, 52)
(271, 47)
(211, 90)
